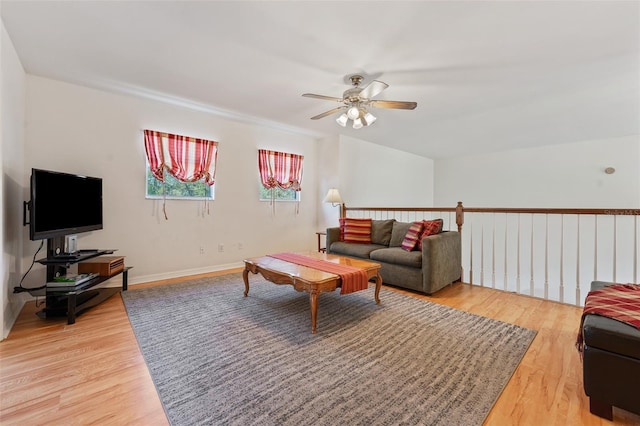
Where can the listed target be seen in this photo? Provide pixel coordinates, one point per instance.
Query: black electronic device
(63, 204)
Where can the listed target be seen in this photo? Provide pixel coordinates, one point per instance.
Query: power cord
(19, 288)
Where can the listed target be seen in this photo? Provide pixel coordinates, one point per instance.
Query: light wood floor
(92, 372)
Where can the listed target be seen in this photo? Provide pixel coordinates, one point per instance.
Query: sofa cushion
(412, 236)
(355, 230)
(397, 256)
(354, 250)
(381, 231)
(431, 227)
(398, 232)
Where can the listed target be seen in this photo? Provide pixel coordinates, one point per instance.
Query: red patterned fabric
(187, 159)
(353, 279)
(410, 241)
(431, 227)
(620, 302)
(355, 230)
(280, 169)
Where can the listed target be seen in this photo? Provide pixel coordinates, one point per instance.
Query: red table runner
(353, 279)
(620, 302)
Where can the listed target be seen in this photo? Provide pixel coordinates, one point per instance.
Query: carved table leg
(313, 299)
(245, 277)
(378, 286)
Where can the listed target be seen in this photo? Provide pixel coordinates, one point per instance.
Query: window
(278, 194)
(172, 188)
(179, 166)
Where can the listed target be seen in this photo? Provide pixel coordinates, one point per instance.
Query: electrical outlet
(201, 249)
(220, 248)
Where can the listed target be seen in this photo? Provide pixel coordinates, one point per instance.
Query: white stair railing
(553, 247)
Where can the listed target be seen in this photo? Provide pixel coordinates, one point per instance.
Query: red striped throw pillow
(411, 238)
(355, 230)
(431, 227)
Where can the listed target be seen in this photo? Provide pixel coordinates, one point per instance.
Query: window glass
(280, 194)
(174, 189)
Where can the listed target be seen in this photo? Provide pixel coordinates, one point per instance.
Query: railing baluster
(546, 257)
(471, 250)
(531, 282)
(595, 251)
(615, 245)
(635, 249)
(504, 286)
(482, 253)
(561, 258)
(518, 258)
(493, 253)
(578, 300)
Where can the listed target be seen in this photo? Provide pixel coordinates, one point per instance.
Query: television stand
(73, 300)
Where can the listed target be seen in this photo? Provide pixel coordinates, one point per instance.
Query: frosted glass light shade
(369, 118)
(342, 120)
(333, 197)
(353, 113)
(357, 123)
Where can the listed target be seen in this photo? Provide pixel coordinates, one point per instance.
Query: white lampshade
(333, 197)
(342, 120)
(353, 113)
(357, 123)
(369, 118)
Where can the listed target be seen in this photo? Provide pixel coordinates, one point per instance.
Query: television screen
(63, 204)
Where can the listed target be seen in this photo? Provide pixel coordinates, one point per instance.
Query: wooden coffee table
(303, 278)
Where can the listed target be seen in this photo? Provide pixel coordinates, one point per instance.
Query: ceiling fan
(356, 102)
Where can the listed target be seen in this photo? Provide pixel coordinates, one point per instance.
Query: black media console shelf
(73, 300)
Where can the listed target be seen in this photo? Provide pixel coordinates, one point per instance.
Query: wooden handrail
(460, 210)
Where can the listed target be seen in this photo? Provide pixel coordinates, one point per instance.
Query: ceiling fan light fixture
(369, 118)
(356, 101)
(342, 120)
(353, 113)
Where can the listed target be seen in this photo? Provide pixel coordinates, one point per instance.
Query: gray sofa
(437, 265)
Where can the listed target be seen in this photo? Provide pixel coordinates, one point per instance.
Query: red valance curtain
(280, 169)
(185, 158)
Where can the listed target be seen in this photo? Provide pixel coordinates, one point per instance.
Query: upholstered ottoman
(611, 363)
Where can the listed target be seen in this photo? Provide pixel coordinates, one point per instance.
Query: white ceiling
(487, 75)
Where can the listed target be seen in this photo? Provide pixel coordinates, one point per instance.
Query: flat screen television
(63, 204)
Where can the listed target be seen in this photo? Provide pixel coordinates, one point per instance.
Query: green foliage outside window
(280, 194)
(173, 188)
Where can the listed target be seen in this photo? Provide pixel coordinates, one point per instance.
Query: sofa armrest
(333, 235)
(441, 260)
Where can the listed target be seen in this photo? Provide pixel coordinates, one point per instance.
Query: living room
(52, 124)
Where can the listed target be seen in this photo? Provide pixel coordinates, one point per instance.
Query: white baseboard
(184, 273)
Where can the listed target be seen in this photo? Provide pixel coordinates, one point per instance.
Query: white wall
(562, 176)
(76, 129)
(329, 177)
(12, 110)
(376, 176)
(547, 255)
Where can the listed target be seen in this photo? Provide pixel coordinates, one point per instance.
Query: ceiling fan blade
(372, 89)
(393, 104)
(331, 111)
(323, 97)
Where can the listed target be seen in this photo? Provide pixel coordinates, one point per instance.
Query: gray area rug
(218, 358)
